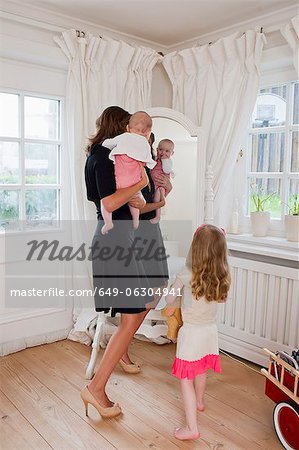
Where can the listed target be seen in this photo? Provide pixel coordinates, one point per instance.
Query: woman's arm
(163, 181)
(174, 291)
(123, 195)
(173, 298)
(152, 207)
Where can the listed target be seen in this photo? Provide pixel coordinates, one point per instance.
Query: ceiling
(166, 22)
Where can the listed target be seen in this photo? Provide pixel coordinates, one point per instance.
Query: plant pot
(292, 227)
(260, 222)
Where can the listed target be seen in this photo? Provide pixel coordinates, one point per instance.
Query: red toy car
(282, 387)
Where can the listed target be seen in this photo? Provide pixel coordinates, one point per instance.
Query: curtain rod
(82, 34)
(244, 32)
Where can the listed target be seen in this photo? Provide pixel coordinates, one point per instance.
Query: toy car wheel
(286, 425)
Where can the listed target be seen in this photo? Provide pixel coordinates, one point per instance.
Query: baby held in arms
(164, 166)
(128, 150)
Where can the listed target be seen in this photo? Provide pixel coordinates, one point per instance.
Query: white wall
(161, 88)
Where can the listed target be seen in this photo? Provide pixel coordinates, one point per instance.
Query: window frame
(21, 140)
(276, 224)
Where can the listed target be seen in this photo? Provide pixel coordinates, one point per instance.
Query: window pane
(41, 164)
(270, 108)
(294, 187)
(41, 206)
(9, 163)
(264, 187)
(9, 115)
(9, 209)
(41, 118)
(267, 152)
(295, 152)
(296, 104)
(293, 196)
(280, 90)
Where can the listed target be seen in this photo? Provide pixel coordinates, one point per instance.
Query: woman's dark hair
(151, 143)
(112, 122)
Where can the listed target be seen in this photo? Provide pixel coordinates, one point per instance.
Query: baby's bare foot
(185, 434)
(106, 228)
(200, 406)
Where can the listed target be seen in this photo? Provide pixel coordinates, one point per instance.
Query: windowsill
(273, 246)
(28, 231)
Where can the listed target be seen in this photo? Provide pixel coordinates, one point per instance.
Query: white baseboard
(32, 341)
(246, 350)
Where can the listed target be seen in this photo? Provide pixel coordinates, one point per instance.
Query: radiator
(261, 311)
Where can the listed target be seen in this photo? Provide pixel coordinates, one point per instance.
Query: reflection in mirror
(178, 216)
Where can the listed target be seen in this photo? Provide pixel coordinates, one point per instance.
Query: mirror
(184, 208)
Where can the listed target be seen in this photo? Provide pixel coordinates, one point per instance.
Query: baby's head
(165, 149)
(140, 123)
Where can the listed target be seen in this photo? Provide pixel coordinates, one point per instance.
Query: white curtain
(290, 32)
(102, 72)
(216, 86)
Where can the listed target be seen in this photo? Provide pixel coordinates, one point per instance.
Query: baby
(164, 165)
(127, 151)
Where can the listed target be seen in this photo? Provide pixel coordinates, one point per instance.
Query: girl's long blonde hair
(207, 259)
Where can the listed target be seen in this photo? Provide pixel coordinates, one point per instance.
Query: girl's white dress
(197, 344)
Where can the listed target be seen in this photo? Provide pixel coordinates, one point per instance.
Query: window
(30, 155)
(273, 157)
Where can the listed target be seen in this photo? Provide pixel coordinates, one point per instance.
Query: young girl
(203, 283)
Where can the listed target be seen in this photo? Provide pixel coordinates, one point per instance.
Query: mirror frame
(194, 131)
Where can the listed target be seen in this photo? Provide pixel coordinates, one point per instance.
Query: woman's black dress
(127, 263)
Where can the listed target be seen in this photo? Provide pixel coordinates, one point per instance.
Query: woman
(100, 184)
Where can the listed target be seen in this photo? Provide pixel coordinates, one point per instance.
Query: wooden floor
(41, 407)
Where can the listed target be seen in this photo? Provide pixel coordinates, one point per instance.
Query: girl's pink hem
(190, 369)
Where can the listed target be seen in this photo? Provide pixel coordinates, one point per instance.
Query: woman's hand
(137, 201)
(163, 181)
(169, 311)
(124, 195)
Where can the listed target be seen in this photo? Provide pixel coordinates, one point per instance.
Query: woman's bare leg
(200, 387)
(116, 348)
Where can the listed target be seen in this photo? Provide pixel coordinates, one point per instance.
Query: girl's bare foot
(200, 406)
(185, 434)
(100, 397)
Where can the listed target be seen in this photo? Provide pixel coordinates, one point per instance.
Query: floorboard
(40, 398)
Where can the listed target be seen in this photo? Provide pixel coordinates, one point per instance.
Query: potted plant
(260, 219)
(291, 219)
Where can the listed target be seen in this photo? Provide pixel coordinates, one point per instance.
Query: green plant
(293, 205)
(9, 209)
(259, 198)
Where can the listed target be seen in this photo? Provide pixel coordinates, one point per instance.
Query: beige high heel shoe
(129, 368)
(109, 412)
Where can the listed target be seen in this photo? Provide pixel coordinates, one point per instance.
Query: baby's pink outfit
(127, 171)
(127, 151)
(163, 167)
